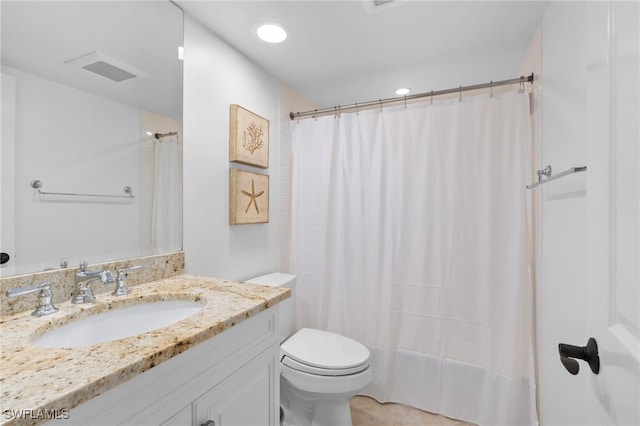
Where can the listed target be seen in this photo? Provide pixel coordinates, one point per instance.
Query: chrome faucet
(82, 283)
(44, 304)
(121, 287)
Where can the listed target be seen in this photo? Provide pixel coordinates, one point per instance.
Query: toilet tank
(278, 279)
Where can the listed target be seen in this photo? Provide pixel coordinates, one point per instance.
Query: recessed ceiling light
(272, 33)
(403, 91)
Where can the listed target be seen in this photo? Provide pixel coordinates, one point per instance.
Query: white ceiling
(39, 36)
(337, 53)
(341, 52)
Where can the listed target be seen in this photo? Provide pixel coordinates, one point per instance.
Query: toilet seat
(327, 386)
(299, 366)
(324, 353)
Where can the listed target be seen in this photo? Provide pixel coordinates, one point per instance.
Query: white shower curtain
(166, 216)
(410, 234)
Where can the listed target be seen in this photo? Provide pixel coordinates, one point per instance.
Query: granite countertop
(35, 378)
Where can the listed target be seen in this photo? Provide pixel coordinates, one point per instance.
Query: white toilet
(320, 371)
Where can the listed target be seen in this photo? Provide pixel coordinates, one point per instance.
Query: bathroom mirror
(91, 104)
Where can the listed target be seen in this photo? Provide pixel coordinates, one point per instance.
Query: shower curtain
(166, 216)
(410, 234)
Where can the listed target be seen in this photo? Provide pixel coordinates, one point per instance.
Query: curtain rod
(380, 102)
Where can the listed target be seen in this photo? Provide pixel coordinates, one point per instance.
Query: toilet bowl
(320, 371)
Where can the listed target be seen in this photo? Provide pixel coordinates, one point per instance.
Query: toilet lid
(325, 350)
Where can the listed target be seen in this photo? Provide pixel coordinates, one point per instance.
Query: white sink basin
(118, 324)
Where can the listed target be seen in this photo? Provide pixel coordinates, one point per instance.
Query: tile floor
(367, 411)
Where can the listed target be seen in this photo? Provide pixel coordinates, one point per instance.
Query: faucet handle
(121, 288)
(127, 270)
(44, 305)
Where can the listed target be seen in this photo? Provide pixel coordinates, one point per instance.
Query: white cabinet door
(246, 398)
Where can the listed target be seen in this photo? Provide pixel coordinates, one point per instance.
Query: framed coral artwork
(248, 197)
(248, 137)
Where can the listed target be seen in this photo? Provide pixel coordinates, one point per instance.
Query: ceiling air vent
(107, 67)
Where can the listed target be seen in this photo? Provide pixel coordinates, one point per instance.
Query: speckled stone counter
(156, 267)
(35, 378)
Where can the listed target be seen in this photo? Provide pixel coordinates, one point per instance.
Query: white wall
(215, 76)
(532, 63)
(564, 236)
(73, 142)
(290, 101)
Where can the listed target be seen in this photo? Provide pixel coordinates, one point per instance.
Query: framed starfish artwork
(248, 137)
(248, 197)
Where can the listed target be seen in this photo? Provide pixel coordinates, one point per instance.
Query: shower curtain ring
(460, 98)
(521, 89)
(405, 102)
(357, 112)
(380, 100)
(432, 96)
(491, 92)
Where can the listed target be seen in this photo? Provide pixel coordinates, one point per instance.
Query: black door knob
(4, 258)
(589, 353)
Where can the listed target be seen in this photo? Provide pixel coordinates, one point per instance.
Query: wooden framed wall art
(248, 197)
(248, 137)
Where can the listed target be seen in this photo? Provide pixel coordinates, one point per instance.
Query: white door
(613, 205)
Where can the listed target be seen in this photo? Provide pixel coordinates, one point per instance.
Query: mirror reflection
(91, 104)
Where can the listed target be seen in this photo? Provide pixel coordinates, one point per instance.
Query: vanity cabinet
(231, 379)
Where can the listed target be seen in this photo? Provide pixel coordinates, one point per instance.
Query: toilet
(320, 371)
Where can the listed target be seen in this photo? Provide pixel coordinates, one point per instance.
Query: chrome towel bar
(547, 172)
(36, 184)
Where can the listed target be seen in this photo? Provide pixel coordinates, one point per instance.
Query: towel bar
(547, 172)
(36, 184)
